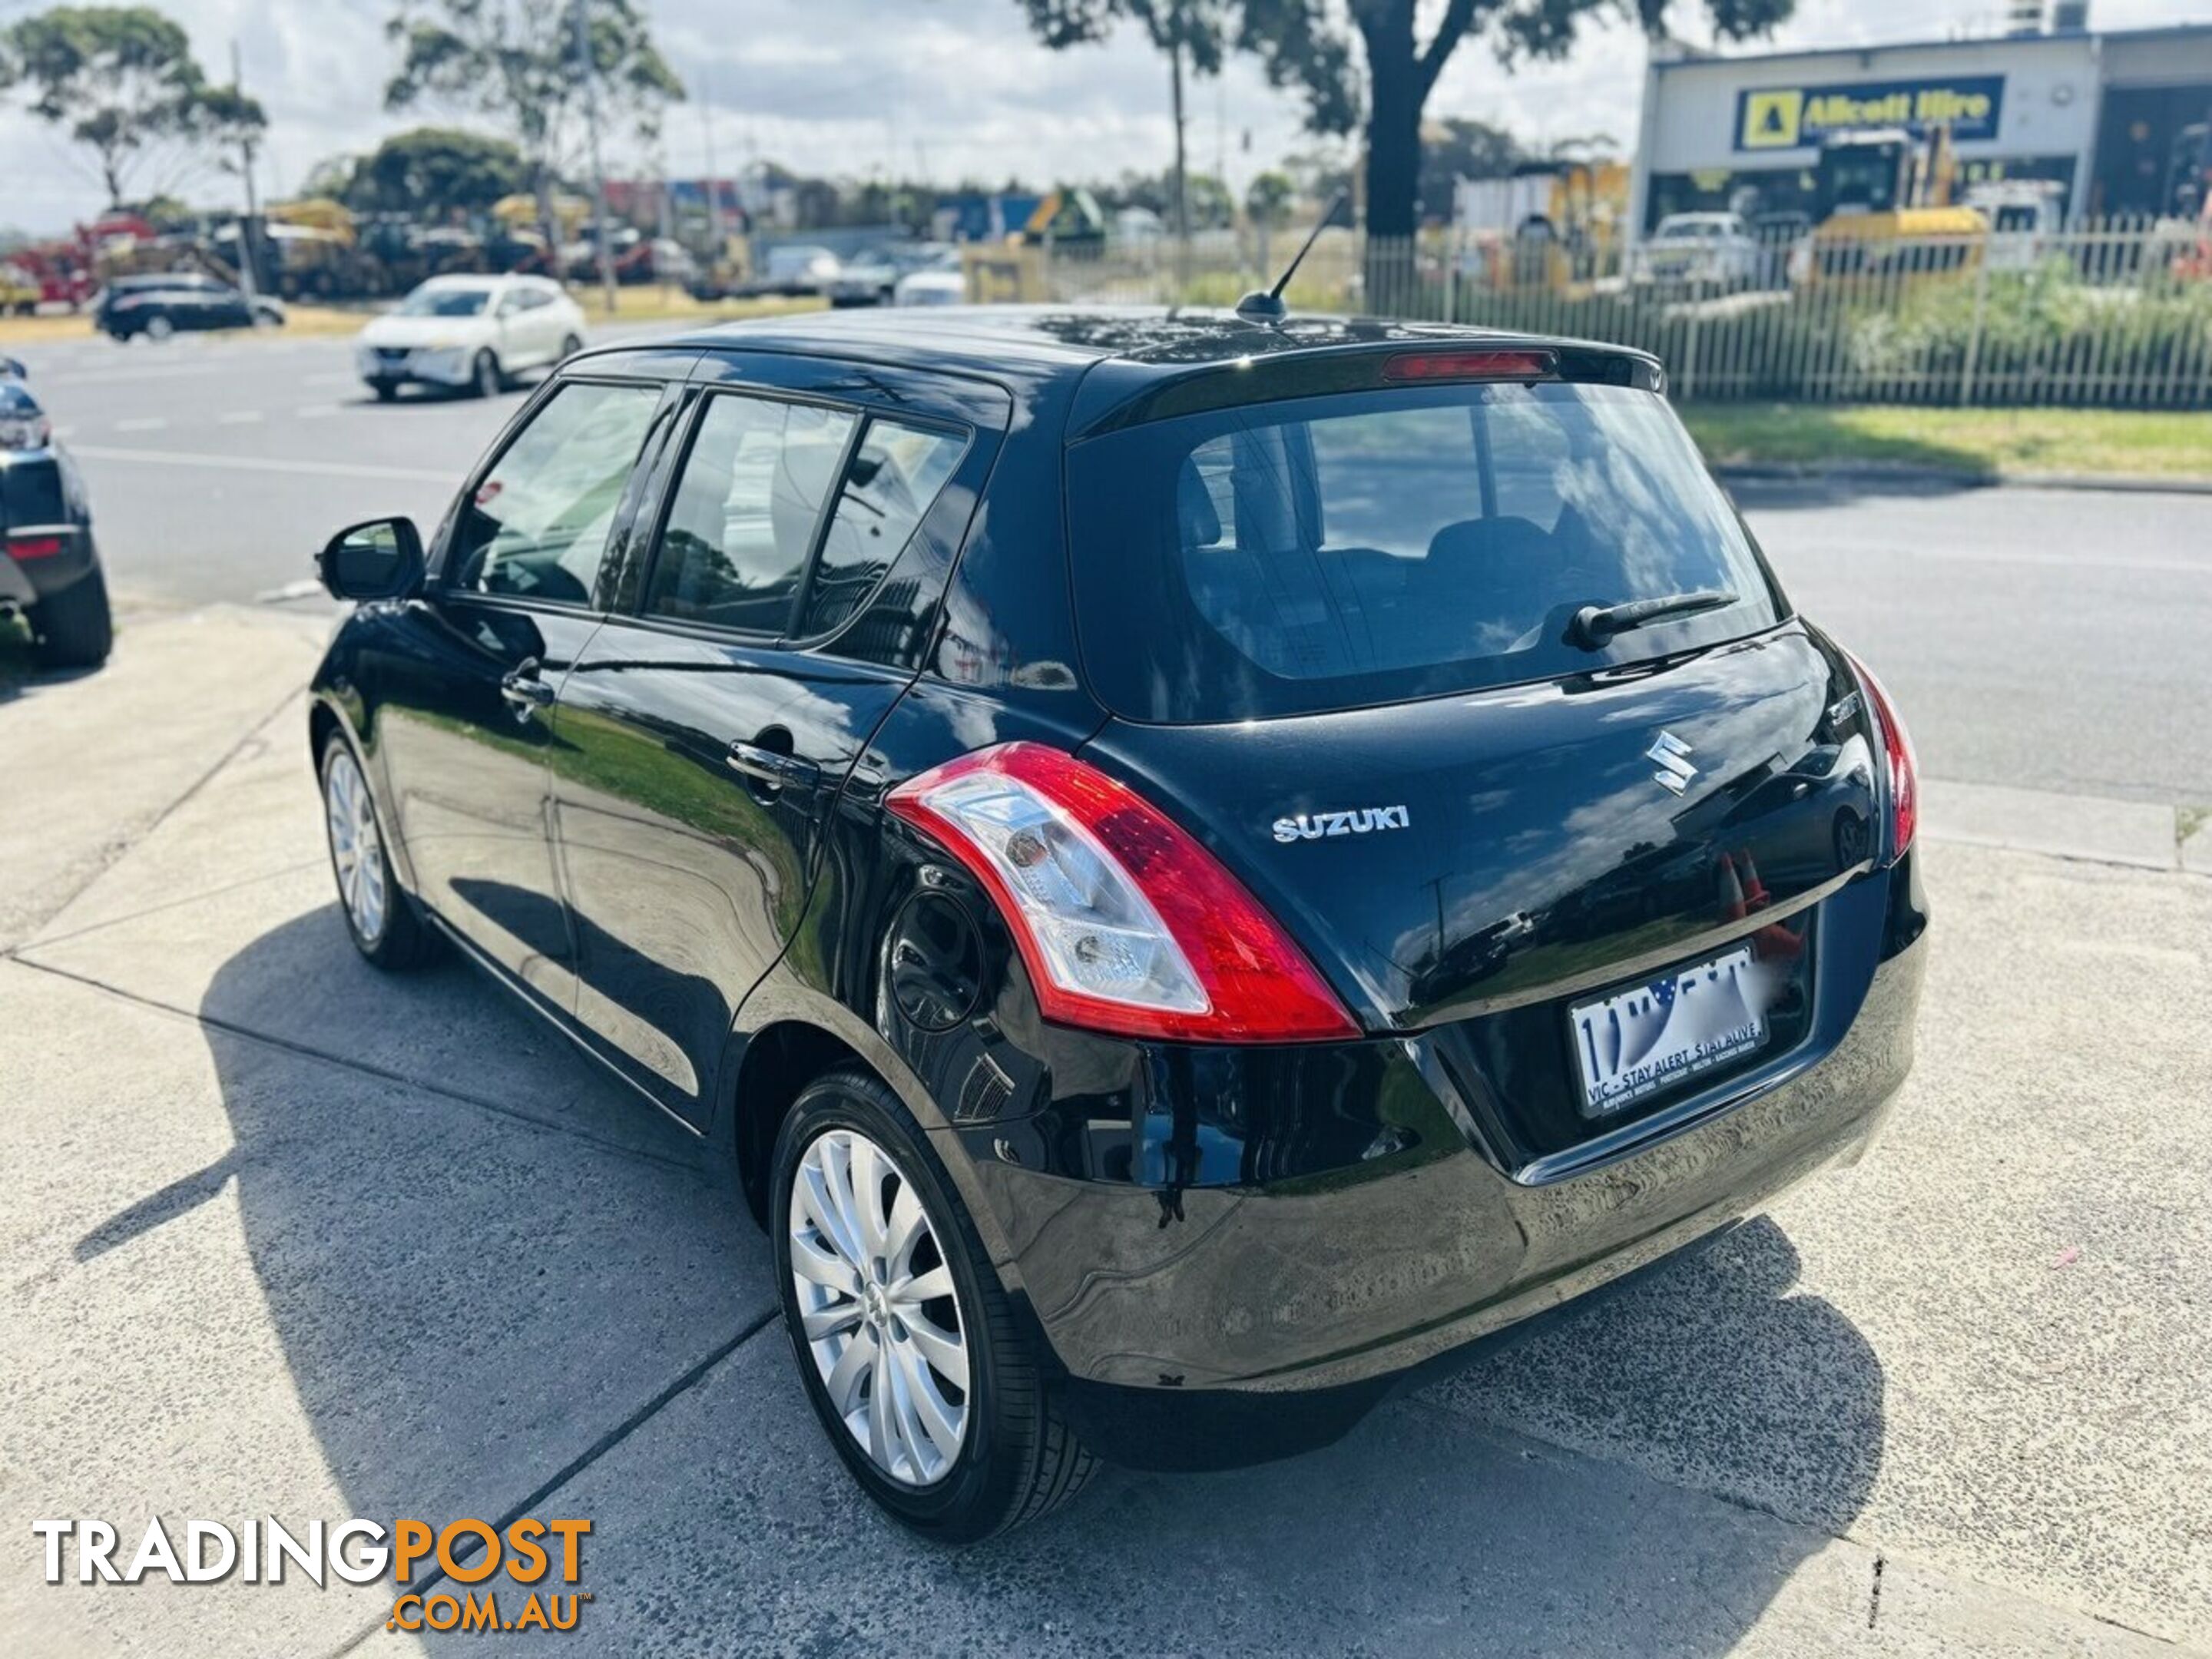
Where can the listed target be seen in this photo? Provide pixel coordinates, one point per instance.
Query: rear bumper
(1219, 1326)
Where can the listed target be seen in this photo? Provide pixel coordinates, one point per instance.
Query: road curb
(2139, 834)
(1862, 472)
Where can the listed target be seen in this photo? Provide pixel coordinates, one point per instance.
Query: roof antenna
(1268, 307)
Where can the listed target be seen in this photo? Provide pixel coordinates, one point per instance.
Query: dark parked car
(49, 570)
(1191, 867)
(174, 302)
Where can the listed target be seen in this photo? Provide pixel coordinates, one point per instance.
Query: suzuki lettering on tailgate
(1313, 826)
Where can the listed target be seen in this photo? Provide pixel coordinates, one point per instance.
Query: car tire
(380, 918)
(75, 627)
(485, 380)
(386, 390)
(158, 328)
(570, 346)
(1015, 1457)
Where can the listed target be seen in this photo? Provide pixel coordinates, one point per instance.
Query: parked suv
(50, 569)
(1192, 867)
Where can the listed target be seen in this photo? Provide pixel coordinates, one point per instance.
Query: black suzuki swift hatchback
(1190, 865)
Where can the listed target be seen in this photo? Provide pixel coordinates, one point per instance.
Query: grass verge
(1974, 442)
(298, 320)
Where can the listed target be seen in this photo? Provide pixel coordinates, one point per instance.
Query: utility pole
(249, 278)
(713, 185)
(590, 78)
(1182, 192)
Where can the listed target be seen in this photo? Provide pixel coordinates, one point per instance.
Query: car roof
(1115, 366)
(978, 340)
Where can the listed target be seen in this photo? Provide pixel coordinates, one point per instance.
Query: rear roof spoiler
(1119, 392)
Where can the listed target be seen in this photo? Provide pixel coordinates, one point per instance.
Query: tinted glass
(894, 476)
(745, 511)
(1339, 552)
(537, 526)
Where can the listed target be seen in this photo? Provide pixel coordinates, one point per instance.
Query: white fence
(2114, 314)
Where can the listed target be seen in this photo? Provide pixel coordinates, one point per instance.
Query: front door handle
(772, 767)
(524, 691)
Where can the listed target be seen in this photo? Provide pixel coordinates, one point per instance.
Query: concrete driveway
(284, 1236)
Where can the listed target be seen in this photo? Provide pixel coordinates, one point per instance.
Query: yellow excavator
(1885, 200)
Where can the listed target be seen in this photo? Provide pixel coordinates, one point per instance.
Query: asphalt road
(2049, 639)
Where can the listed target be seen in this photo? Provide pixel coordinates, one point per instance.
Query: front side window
(535, 528)
(894, 476)
(1343, 551)
(743, 521)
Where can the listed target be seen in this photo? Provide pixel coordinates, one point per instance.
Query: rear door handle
(523, 689)
(772, 767)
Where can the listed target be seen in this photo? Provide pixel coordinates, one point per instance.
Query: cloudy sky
(943, 88)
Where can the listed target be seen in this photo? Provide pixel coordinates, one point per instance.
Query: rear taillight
(34, 547)
(1904, 770)
(1127, 924)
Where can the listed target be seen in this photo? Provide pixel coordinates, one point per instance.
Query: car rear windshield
(1338, 552)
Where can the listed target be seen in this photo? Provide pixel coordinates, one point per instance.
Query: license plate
(1638, 1041)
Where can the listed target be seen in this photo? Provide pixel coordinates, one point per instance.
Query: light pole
(249, 275)
(587, 72)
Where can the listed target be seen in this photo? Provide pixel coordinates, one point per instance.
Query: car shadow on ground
(470, 1300)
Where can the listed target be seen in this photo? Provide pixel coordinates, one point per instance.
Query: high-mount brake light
(1125, 923)
(1904, 767)
(1470, 365)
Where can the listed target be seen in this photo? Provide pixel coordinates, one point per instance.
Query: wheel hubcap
(882, 1318)
(357, 851)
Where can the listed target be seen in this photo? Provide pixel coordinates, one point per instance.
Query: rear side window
(896, 475)
(743, 521)
(537, 526)
(1343, 551)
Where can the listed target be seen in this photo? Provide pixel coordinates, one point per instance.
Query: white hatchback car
(472, 331)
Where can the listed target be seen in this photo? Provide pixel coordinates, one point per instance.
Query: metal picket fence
(2111, 313)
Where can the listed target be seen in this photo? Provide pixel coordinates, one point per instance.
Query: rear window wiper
(1595, 624)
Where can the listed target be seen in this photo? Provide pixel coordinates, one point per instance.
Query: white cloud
(956, 87)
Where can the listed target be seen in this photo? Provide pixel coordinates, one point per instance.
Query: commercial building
(2115, 119)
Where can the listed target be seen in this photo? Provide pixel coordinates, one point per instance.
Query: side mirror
(11, 368)
(380, 559)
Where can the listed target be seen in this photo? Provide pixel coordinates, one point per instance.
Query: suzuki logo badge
(1672, 756)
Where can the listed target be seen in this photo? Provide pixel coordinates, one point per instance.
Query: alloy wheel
(879, 1308)
(356, 849)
